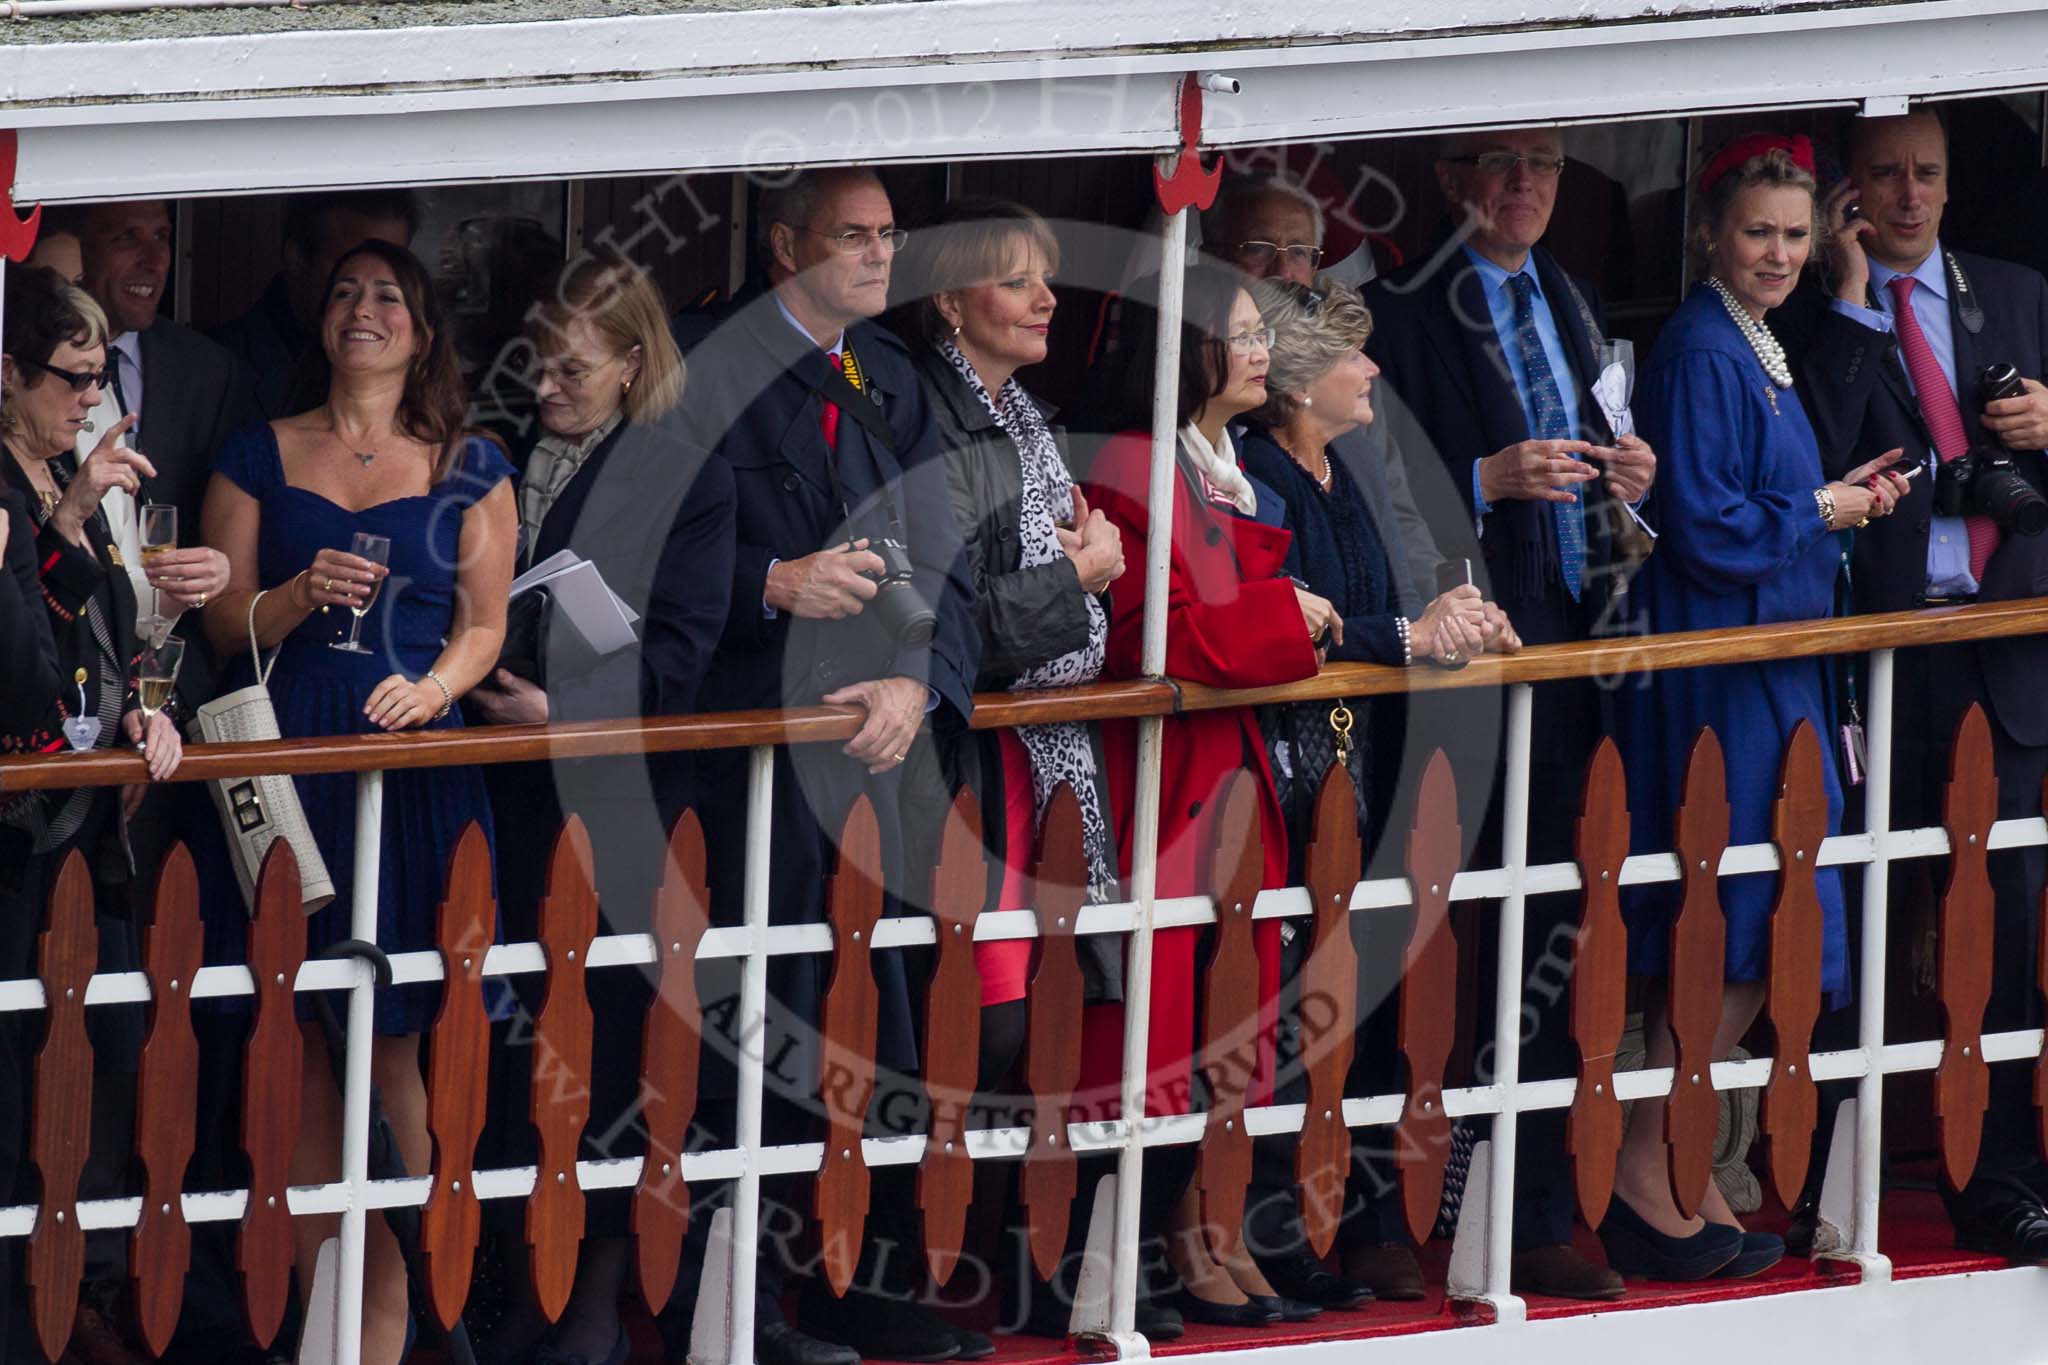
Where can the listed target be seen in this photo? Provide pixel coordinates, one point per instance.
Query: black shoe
(973, 1345)
(1287, 1309)
(1156, 1322)
(1636, 1248)
(886, 1329)
(2018, 1232)
(1251, 1313)
(780, 1343)
(1760, 1251)
(1301, 1276)
(1799, 1233)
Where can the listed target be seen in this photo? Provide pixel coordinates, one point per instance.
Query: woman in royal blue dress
(1748, 531)
(384, 453)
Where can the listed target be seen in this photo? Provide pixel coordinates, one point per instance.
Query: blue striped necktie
(1551, 425)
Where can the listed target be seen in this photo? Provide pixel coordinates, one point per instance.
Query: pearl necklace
(1769, 353)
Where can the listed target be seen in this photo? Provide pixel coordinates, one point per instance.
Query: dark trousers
(1934, 689)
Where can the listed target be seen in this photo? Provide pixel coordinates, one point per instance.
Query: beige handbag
(258, 811)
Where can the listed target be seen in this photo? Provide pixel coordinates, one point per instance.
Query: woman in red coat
(1234, 620)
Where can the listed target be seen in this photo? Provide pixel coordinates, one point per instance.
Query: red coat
(1232, 621)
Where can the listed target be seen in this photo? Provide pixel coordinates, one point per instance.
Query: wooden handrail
(1001, 710)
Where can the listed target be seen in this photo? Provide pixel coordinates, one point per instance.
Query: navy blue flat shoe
(1635, 1248)
(1760, 1251)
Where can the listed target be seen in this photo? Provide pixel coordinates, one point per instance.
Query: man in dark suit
(281, 326)
(1490, 347)
(1894, 360)
(188, 391)
(820, 415)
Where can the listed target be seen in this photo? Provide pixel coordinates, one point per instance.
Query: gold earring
(626, 385)
(956, 329)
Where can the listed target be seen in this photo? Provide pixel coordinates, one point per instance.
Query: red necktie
(828, 419)
(1938, 406)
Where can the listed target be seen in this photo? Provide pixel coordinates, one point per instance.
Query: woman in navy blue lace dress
(385, 453)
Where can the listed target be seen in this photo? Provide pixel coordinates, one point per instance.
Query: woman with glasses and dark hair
(1234, 619)
(300, 506)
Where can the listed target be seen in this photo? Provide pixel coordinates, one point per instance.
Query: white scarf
(1219, 470)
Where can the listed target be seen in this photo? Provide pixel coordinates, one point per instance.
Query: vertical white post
(1124, 1285)
(1877, 802)
(746, 1212)
(355, 1090)
(1507, 1007)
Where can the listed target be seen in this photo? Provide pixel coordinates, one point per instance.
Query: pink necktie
(1938, 406)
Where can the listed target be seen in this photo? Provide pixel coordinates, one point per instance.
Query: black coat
(29, 683)
(1853, 383)
(195, 395)
(1434, 341)
(753, 397)
(654, 513)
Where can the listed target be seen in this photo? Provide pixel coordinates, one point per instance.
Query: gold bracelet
(293, 592)
(447, 697)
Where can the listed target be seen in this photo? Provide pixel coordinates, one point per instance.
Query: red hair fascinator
(1735, 154)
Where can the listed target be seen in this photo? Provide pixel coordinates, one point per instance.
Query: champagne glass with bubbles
(157, 675)
(159, 534)
(376, 549)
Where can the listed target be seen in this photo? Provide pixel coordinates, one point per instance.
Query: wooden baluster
(160, 1247)
(1330, 977)
(1429, 978)
(272, 1072)
(952, 1036)
(60, 1123)
(560, 1101)
(1599, 990)
(1230, 1016)
(458, 1068)
(1791, 1105)
(1962, 1083)
(668, 1064)
(1699, 966)
(853, 903)
(1052, 1036)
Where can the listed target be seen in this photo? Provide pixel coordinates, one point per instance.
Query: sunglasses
(79, 380)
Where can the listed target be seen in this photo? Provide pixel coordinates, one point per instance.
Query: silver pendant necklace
(363, 457)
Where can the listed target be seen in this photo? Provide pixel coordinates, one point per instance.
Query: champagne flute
(159, 534)
(156, 677)
(376, 549)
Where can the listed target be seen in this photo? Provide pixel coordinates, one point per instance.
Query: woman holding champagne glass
(370, 540)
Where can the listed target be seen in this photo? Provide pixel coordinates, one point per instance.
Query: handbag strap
(263, 670)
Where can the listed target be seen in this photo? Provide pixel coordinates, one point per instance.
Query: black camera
(1986, 480)
(902, 613)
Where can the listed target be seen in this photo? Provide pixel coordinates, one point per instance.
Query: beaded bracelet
(447, 697)
(1404, 629)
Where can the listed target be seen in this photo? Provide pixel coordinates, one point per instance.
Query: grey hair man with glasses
(1492, 348)
(1267, 224)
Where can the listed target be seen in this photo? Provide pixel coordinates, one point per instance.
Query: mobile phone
(1453, 573)
(1851, 211)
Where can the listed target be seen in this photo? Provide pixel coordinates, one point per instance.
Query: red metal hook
(1191, 185)
(17, 235)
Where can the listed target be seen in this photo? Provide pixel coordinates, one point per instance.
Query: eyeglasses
(847, 243)
(79, 380)
(1505, 163)
(1259, 255)
(1244, 343)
